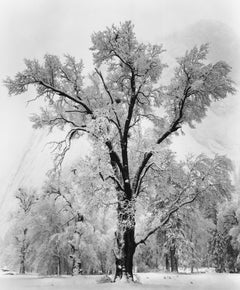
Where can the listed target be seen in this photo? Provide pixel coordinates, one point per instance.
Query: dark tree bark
(59, 267)
(119, 266)
(128, 252)
(167, 263)
(124, 261)
(22, 267)
(173, 259)
(125, 239)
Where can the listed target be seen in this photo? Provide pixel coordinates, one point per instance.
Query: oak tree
(112, 106)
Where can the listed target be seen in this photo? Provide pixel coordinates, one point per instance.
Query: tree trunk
(192, 260)
(59, 267)
(128, 252)
(76, 262)
(22, 267)
(124, 259)
(125, 238)
(167, 264)
(23, 253)
(173, 259)
(75, 253)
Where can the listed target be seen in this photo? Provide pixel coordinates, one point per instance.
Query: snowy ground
(149, 281)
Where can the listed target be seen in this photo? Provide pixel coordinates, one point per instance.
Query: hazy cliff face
(224, 43)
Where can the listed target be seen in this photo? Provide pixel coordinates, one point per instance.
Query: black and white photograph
(119, 144)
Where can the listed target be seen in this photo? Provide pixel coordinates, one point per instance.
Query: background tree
(179, 191)
(75, 219)
(224, 245)
(124, 91)
(26, 201)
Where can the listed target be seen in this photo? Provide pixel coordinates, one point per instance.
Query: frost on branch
(195, 85)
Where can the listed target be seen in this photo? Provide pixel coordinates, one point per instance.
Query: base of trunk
(22, 269)
(124, 257)
(124, 268)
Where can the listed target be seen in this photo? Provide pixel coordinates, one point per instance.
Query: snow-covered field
(149, 281)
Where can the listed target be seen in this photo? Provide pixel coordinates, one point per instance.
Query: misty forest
(130, 205)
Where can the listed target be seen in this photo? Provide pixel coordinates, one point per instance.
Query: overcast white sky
(31, 28)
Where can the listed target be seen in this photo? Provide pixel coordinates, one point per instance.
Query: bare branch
(64, 146)
(58, 194)
(105, 85)
(145, 160)
(118, 124)
(64, 94)
(173, 127)
(115, 160)
(61, 118)
(167, 217)
(116, 181)
(138, 185)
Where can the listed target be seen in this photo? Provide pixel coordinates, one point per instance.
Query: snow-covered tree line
(131, 190)
(70, 227)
